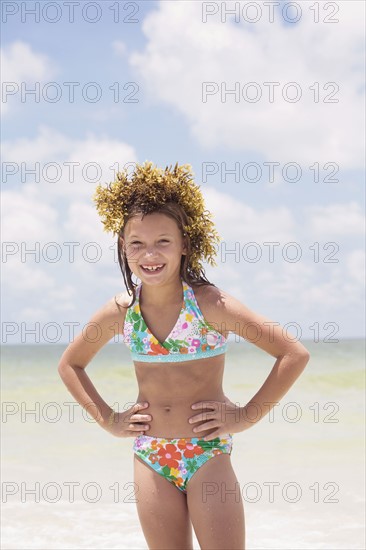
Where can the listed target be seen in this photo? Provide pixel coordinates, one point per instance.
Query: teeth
(152, 268)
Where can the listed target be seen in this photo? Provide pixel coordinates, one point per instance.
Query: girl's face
(154, 247)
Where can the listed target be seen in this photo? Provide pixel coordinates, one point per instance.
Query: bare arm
(291, 359)
(291, 356)
(99, 330)
(283, 375)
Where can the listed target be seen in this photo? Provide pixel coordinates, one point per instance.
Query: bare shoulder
(234, 316)
(111, 315)
(102, 326)
(225, 308)
(212, 302)
(209, 296)
(213, 296)
(219, 304)
(222, 304)
(116, 308)
(122, 300)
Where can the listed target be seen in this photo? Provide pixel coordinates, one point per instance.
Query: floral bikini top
(191, 338)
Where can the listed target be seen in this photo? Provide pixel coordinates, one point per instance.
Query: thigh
(162, 510)
(215, 505)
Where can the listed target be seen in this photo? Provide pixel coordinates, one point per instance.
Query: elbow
(303, 358)
(302, 352)
(299, 356)
(63, 369)
(305, 353)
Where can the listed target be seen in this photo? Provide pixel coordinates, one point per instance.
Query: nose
(150, 250)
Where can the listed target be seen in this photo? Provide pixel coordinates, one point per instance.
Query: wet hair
(170, 191)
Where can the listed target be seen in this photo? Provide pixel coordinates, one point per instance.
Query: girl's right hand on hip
(129, 423)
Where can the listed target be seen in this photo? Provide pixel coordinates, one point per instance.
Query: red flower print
(157, 349)
(189, 448)
(153, 458)
(169, 456)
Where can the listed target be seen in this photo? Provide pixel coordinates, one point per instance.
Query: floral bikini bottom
(178, 459)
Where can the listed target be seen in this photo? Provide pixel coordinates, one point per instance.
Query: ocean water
(68, 484)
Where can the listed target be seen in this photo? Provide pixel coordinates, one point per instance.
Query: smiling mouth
(152, 268)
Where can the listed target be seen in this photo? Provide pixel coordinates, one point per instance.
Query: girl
(176, 325)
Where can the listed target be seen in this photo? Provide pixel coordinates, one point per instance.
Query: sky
(266, 102)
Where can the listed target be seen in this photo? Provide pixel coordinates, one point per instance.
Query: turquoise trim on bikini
(192, 337)
(174, 358)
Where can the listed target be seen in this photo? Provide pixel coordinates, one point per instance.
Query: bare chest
(161, 321)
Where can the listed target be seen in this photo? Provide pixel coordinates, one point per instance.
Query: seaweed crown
(145, 191)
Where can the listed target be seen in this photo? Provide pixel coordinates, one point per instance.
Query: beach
(68, 484)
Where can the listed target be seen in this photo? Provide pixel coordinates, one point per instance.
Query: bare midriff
(171, 389)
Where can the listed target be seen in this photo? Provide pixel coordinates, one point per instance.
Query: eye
(138, 243)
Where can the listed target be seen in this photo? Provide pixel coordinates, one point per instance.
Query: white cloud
(23, 277)
(62, 298)
(182, 53)
(48, 145)
(238, 222)
(68, 168)
(301, 285)
(33, 315)
(83, 223)
(37, 214)
(83, 220)
(20, 61)
(26, 216)
(356, 266)
(119, 47)
(343, 219)
(21, 64)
